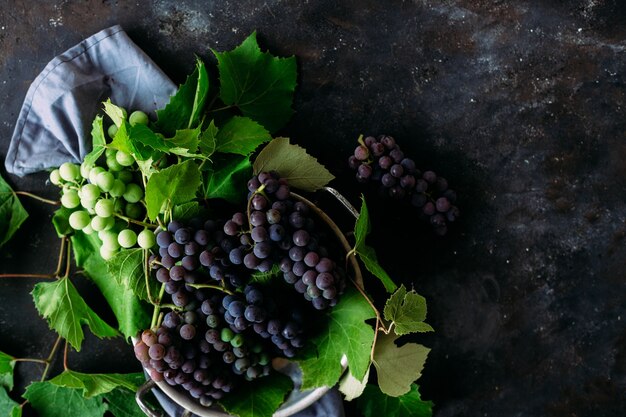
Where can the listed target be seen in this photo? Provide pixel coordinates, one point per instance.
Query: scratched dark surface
(520, 105)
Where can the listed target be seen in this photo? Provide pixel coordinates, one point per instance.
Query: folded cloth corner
(54, 123)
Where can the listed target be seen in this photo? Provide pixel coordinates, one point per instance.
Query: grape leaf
(241, 135)
(147, 167)
(116, 113)
(227, 178)
(171, 186)
(367, 253)
(7, 364)
(397, 367)
(292, 162)
(127, 268)
(98, 142)
(185, 108)
(407, 310)
(129, 139)
(373, 403)
(96, 384)
(61, 222)
(256, 82)
(347, 334)
(208, 139)
(130, 312)
(184, 138)
(351, 387)
(66, 311)
(8, 407)
(188, 211)
(122, 403)
(142, 134)
(265, 277)
(259, 398)
(12, 213)
(51, 400)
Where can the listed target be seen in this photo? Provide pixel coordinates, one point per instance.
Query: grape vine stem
(140, 223)
(215, 287)
(36, 197)
(53, 352)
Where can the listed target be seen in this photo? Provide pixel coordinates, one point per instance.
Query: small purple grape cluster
(382, 161)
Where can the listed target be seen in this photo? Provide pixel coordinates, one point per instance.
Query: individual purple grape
(187, 331)
(361, 153)
(301, 238)
(231, 228)
(311, 259)
(257, 218)
(182, 235)
(388, 180)
(429, 208)
(430, 177)
(388, 141)
(277, 232)
(163, 239)
(364, 171)
(396, 170)
(353, 162)
(442, 205)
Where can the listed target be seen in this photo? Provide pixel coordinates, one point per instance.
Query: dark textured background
(519, 104)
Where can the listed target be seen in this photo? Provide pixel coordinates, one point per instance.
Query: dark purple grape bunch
(291, 233)
(382, 161)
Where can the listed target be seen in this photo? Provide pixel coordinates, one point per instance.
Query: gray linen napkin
(54, 123)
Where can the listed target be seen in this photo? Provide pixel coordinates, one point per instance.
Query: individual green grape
(105, 253)
(138, 118)
(89, 192)
(69, 171)
(105, 207)
(93, 174)
(102, 223)
(79, 219)
(134, 211)
(133, 193)
(112, 130)
(125, 176)
(124, 159)
(127, 238)
(55, 177)
(88, 204)
(70, 199)
(109, 152)
(118, 188)
(146, 238)
(84, 170)
(113, 165)
(109, 239)
(88, 229)
(105, 180)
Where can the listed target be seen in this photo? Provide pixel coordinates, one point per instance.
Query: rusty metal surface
(519, 104)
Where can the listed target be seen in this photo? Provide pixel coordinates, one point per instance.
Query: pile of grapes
(226, 321)
(106, 200)
(382, 161)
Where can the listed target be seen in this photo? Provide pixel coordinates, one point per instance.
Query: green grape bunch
(107, 199)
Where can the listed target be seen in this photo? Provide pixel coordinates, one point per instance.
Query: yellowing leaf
(407, 310)
(294, 164)
(351, 387)
(397, 367)
(346, 334)
(66, 311)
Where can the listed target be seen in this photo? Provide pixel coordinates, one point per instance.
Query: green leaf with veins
(174, 185)
(12, 213)
(367, 253)
(397, 367)
(96, 384)
(188, 211)
(66, 311)
(122, 403)
(265, 277)
(127, 268)
(258, 398)
(131, 314)
(373, 403)
(257, 83)
(241, 135)
(7, 364)
(185, 108)
(98, 142)
(116, 113)
(142, 134)
(50, 400)
(185, 138)
(293, 163)
(8, 407)
(208, 139)
(346, 334)
(125, 141)
(61, 222)
(147, 167)
(226, 178)
(407, 310)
